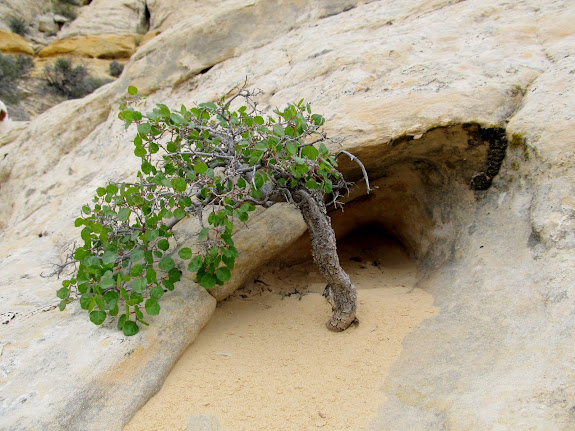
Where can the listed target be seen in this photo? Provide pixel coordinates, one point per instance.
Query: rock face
(462, 114)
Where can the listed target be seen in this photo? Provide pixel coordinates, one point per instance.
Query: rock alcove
(425, 190)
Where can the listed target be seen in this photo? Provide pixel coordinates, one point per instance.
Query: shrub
(116, 69)
(65, 8)
(70, 81)
(12, 70)
(204, 157)
(18, 26)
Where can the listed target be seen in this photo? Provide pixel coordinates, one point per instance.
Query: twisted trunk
(339, 291)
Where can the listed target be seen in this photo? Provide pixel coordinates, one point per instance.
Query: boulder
(103, 47)
(461, 113)
(11, 43)
(47, 24)
(113, 17)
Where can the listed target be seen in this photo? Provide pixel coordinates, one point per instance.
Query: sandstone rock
(425, 93)
(195, 49)
(104, 47)
(26, 10)
(112, 17)
(47, 24)
(11, 43)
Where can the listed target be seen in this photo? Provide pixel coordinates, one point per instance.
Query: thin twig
(355, 159)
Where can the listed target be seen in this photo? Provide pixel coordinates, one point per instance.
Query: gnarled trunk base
(339, 290)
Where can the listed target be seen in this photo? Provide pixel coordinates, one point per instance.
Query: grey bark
(339, 290)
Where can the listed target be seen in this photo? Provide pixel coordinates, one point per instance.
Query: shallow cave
(425, 192)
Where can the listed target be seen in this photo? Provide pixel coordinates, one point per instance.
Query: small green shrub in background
(116, 69)
(13, 68)
(65, 8)
(70, 81)
(18, 26)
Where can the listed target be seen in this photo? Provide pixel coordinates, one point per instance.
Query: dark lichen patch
(496, 138)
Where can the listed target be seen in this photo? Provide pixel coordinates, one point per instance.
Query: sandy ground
(265, 361)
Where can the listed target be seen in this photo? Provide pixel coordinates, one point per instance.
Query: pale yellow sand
(265, 361)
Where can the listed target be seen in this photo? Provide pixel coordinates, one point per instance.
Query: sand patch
(265, 361)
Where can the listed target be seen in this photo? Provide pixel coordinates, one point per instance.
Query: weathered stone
(104, 47)
(47, 24)
(413, 88)
(108, 17)
(25, 10)
(11, 43)
(194, 49)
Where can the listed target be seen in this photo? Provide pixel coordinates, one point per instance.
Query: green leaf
(106, 282)
(195, 264)
(185, 253)
(130, 328)
(166, 263)
(109, 257)
(310, 152)
(179, 213)
(174, 275)
(261, 146)
(278, 130)
(137, 255)
(317, 119)
(157, 292)
(124, 214)
(179, 184)
(291, 148)
(151, 275)
(168, 285)
(259, 120)
(144, 128)
(63, 293)
(223, 274)
(312, 185)
(97, 317)
(204, 233)
(139, 151)
(302, 169)
(136, 270)
(121, 321)
(208, 281)
(163, 244)
(152, 235)
(152, 307)
(200, 167)
(176, 118)
(62, 305)
(139, 285)
(132, 90)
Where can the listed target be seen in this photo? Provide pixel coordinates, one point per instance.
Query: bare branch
(355, 159)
